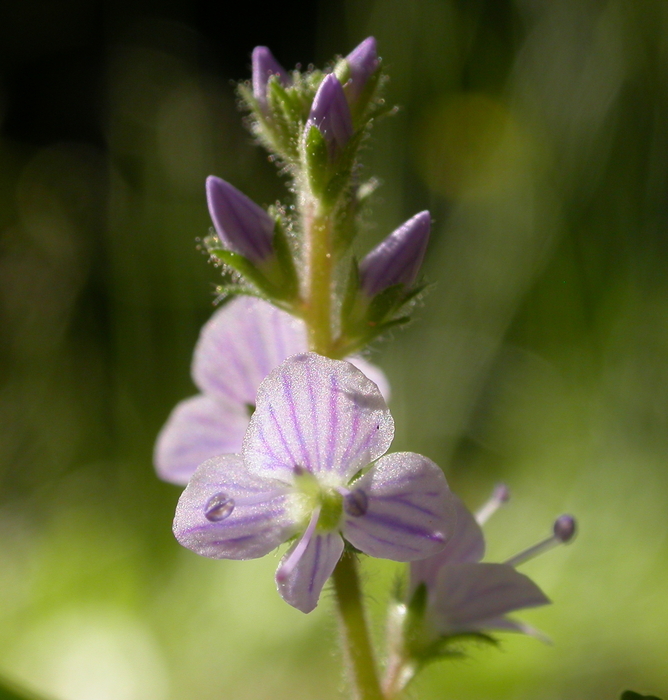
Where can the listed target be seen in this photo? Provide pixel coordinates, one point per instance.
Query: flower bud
(330, 114)
(264, 66)
(362, 63)
(398, 258)
(243, 226)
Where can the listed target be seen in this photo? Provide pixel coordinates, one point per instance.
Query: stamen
(288, 566)
(500, 495)
(356, 503)
(563, 532)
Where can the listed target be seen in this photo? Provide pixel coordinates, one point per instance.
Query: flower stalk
(355, 633)
(318, 302)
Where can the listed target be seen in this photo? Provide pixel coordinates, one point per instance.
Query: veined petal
(227, 513)
(303, 584)
(198, 428)
(375, 374)
(319, 414)
(409, 511)
(467, 544)
(505, 624)
(467, 595)
(240, 344)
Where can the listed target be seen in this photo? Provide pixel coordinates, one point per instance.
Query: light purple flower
(238, 347)
(362, 64)
(331, 115)
(242, 225)
(464, 595)
(398, 258)
(264, 66)
(318, 425)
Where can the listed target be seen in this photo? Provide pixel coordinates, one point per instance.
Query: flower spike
(397, 259)
(243, 226)
(330, 114)
(264, 66)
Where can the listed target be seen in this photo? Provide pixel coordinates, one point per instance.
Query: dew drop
(356, 503)
(218, 507)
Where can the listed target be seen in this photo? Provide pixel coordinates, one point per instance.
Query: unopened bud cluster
(313, 123)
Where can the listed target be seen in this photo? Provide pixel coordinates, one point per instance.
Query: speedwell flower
(464, 595)
(305, 473)
(237, 348)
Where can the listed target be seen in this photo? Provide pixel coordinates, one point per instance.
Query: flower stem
(318, 308)
(355, 632)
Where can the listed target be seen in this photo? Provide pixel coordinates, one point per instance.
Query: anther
(500, 495)
(563, 531)
(356, 503)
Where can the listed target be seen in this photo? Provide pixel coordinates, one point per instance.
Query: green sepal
(287, 118)
(316, 157)
(631, 695)
(247, 270)
(385, 302)
(341, 169)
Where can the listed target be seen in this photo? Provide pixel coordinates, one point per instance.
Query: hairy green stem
(355, 633)
(318, 306)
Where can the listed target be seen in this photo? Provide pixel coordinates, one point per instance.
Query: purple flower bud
(564, 528)
(264, 66)
(242, 225)
(331, 115)
(398, 258)
(362, 63)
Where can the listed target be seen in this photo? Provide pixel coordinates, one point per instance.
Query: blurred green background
(536, 132)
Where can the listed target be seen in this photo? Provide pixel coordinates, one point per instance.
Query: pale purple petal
(375, 374)
(330, 113)
(467, 544)
(398, 258)
(362, 63)
(302, 587)
(409, 512)
(227, 513)
(467, 595)
(241, 343)
(505, 624)
(242, 225)
(318, 414)
(264, 66)
(198, 428)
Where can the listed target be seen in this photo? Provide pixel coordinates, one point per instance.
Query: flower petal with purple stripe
(226, 513)
(468, 595)
(198, 428)
(301, 587)
(321, 415)
(409, 510)
(467, 544)
(241, 344)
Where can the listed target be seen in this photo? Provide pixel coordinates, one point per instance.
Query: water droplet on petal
(356, 503)
(218, 507)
